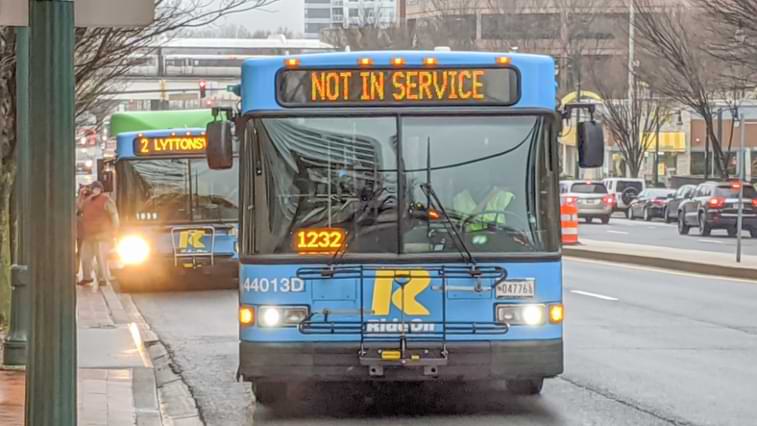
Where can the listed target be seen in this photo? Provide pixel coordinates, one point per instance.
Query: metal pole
(742, 176)
(631, 47)
(578, 113)
(14, 348)
(707, 156)
(720, 140)
(631, 61)
(657, 150)
(51, 373)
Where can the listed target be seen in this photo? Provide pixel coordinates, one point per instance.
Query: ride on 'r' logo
(191, 239)
(413, 283)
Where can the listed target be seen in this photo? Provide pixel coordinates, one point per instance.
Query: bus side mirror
(591, 144)
(220, 151)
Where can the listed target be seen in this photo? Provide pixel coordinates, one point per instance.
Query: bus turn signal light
(246, 315)
(556, 314)
(504, 60)
(292, 62)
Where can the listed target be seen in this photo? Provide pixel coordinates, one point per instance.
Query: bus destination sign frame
(377, 87)
(162, 146)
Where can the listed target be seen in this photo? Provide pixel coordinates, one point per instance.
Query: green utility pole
(51, 373)
(14, 348)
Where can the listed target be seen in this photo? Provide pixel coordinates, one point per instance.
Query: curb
(144, 386)
(174, 398)
(663, 263)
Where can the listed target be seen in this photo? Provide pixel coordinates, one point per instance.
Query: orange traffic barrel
(569, 220)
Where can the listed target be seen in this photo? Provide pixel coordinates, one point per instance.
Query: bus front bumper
(469, 361)
(163, 273)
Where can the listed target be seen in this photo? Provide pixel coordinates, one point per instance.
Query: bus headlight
(281, 316)
(525, 314)
(133, 250)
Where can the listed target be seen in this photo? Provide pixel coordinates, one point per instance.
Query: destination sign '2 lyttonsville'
(146, 146)
(382, 87)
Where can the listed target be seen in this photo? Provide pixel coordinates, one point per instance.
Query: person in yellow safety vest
(493, 207)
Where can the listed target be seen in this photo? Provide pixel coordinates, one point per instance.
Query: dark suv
(714, 205)
(682, 194)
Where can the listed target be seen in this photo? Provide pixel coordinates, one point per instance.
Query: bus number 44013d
(275, 285)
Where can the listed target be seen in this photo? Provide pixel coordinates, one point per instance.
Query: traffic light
(203, 86)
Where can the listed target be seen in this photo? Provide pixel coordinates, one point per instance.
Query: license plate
(516, 288)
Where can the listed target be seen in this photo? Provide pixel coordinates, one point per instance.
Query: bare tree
(631, 122)
(685, 70)
(101, 55)
(733, 24)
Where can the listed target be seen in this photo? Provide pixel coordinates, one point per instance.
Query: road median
(693, 261)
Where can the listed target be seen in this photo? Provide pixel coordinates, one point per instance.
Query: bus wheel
(525, 386)
(269, 393)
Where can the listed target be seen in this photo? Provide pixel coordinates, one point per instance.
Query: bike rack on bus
(419, 343)
(207, 229)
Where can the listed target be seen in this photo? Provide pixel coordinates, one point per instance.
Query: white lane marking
(710, 241)
(617, 232)
(598, 296)
(660, 270)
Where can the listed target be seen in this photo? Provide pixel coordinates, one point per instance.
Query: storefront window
(697, 163)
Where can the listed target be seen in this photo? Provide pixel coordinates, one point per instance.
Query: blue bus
(399, 218)
(178, 217)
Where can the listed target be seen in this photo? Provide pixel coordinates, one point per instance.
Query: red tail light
(609, 200)
(716, 203)
(754, 203)
(569, 200)
(658, 202)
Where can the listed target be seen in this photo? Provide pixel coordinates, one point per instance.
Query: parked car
(714, 205)
(592, 199)
(624, 189)
(682, 194)
(651, 203)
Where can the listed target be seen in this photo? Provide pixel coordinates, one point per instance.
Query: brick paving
(105, 396)
(12, 385)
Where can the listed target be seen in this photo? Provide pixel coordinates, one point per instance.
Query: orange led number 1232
(318, 240)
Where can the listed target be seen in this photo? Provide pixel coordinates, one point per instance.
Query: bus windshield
(355, 174)
(177, 190)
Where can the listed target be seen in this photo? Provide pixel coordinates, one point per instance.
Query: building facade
(324, 14)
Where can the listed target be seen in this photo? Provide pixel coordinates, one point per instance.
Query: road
(658, 233)
(643, 347)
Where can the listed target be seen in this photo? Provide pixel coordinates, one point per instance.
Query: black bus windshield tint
(355, 174)
(176, 191)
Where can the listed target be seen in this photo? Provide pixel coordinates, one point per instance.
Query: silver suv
(591, 198)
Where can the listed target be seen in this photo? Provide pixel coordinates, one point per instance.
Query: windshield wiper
(432, 197)
(330, 269)
(460, 245)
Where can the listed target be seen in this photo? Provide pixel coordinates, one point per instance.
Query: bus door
(402, 315)
(193, 246)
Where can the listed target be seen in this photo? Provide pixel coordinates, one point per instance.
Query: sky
(283, 13)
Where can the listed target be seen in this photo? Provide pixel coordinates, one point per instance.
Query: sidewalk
(694, 261)
(116, 384)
